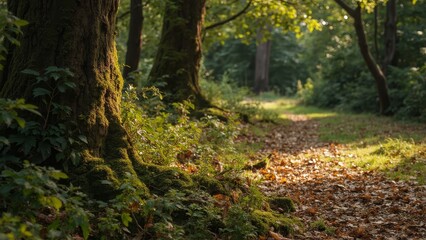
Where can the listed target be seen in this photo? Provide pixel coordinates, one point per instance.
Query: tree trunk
(134, 41)
(177, 62)
(78, 35)
(263, 55)
(371, 63)
(390, 35)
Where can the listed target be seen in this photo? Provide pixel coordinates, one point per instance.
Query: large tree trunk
(78, 35)
(178, 58)
(263, 55)
(390, 35)
(134, 41)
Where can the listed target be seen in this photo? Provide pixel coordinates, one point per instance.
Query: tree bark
(263, 55)
(390, 35)
(78, 35)
(134, 41)
(177, 62)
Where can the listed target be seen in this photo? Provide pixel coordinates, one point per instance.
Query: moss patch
(282, 204)
(160, 179)
(209, 184)
(264, 221)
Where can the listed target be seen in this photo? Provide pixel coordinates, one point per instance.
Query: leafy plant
(36, 206)
(54, 135)
(10, 28)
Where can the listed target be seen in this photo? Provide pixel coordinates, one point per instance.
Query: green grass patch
(371, 142)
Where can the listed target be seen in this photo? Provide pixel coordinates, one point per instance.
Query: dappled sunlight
(345, 170)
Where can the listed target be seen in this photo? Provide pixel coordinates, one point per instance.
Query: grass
(371, 142)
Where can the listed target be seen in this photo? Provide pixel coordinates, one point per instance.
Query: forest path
(334, 198)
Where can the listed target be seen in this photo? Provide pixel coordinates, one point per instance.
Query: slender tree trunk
(177, 62)
(376, 31)
(374, 69)
(263, 55)
(371, 63)
(134, 41)
(78, 35)
(390, 35)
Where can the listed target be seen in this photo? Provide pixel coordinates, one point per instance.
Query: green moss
(264, 221)
(282, 204)
(321, 226)
(160, 179)
(208, 184)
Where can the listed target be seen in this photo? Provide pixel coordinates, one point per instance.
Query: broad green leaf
(40, 92)
(126, 219)
(20, 121)
(20, 22)
(54, 202)
(31, 72)
(58, 175)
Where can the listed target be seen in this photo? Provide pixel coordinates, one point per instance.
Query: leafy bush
(36, 206)
(10, 28)
(53, 136)
(173, 138)
(229, 96)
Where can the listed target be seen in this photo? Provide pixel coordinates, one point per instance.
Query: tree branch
(346, 7)
(230, 18)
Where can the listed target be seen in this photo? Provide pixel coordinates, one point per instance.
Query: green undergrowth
(192, 183)
(371, 142)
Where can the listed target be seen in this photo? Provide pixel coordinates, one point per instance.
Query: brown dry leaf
(277, 236)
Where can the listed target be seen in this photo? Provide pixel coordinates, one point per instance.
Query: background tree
(177, 62)
(134, 40)
(263, 56)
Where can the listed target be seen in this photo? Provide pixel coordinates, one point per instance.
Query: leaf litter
(354, 204)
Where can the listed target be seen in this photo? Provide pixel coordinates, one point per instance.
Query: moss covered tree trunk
(178, 58)
(78, 35)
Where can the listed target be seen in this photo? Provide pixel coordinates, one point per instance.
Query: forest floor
(351, 176)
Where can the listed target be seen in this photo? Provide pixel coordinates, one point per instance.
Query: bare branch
(346, 7)
(230, 18)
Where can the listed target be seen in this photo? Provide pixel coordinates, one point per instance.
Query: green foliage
(10, 29)
(394, 147)
(234, 62)
(239, 225)
(320, 225)
(9, 111)
(340, 77)
(229, 96)
(34, 205)
(54, 136)
(172, 138)
(305, 91)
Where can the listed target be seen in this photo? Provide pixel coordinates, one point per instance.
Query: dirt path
(354, 204)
